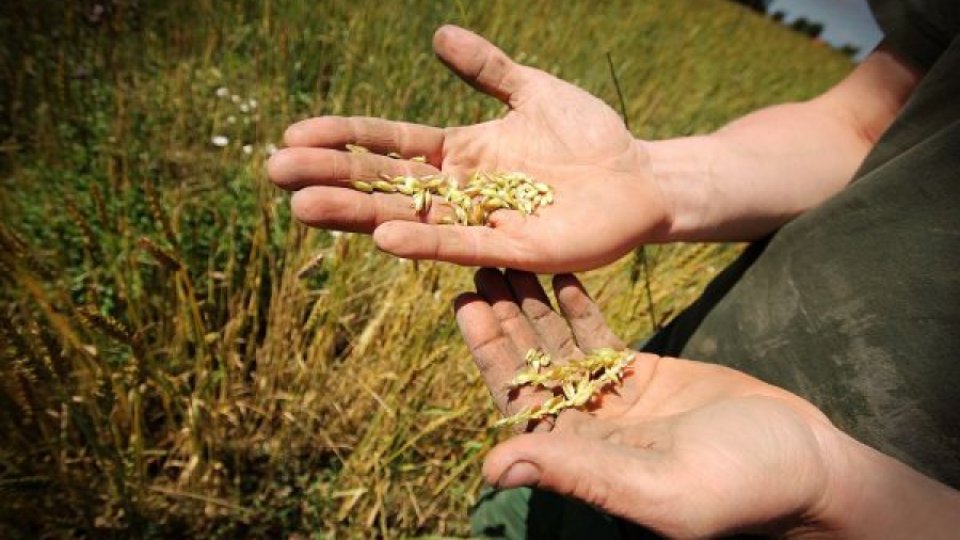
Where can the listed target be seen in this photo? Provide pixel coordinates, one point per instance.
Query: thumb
(479, 63)
(589, 469)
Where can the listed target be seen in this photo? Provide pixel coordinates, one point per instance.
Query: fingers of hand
(353, 211)
(296, 168)
(583, 315)
(467, 246)
(495, 354)
(479, 63)
(493, 286)
(555, 336)
(378, 135)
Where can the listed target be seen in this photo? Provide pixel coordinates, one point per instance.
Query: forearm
(877, 496)
(755, 174)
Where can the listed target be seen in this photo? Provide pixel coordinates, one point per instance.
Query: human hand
(606, 201)
(686, 448)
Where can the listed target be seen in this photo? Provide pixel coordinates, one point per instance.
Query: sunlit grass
(177, 357)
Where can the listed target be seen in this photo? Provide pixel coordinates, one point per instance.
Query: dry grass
(178, 358)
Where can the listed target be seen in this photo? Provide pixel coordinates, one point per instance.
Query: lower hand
(685, 448)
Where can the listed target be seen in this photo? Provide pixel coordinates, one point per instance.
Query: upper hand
(606, 201)
(683, 447)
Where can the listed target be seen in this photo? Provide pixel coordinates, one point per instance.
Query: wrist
(872, 495)
(682, 170)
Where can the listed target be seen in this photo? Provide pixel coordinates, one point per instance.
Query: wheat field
(179, 358)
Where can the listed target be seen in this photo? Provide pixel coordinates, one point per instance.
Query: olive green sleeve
(920, 30)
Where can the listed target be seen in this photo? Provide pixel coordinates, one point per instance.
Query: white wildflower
(252, 104)
(271, 149)
(231, 119)
(222, 92)
(219, 140)
(248, 149)
(235, 98)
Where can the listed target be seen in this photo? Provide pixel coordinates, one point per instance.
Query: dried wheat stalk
(574, 384)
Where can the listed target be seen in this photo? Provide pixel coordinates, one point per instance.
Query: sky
(844, 21)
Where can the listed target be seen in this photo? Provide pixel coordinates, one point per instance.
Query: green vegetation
(178, 358)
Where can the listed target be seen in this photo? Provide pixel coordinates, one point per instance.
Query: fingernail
(521, 473)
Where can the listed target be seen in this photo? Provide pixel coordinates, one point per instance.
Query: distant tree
(804, 26)
(849, 50)
(760, 6)
(811, 29)
(814, 30)
(800, 24)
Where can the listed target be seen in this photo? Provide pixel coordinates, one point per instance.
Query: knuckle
(493, 69)
(566, 345)
(537, 311)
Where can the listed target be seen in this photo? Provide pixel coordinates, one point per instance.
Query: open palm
(686, 448)
(605, 200)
